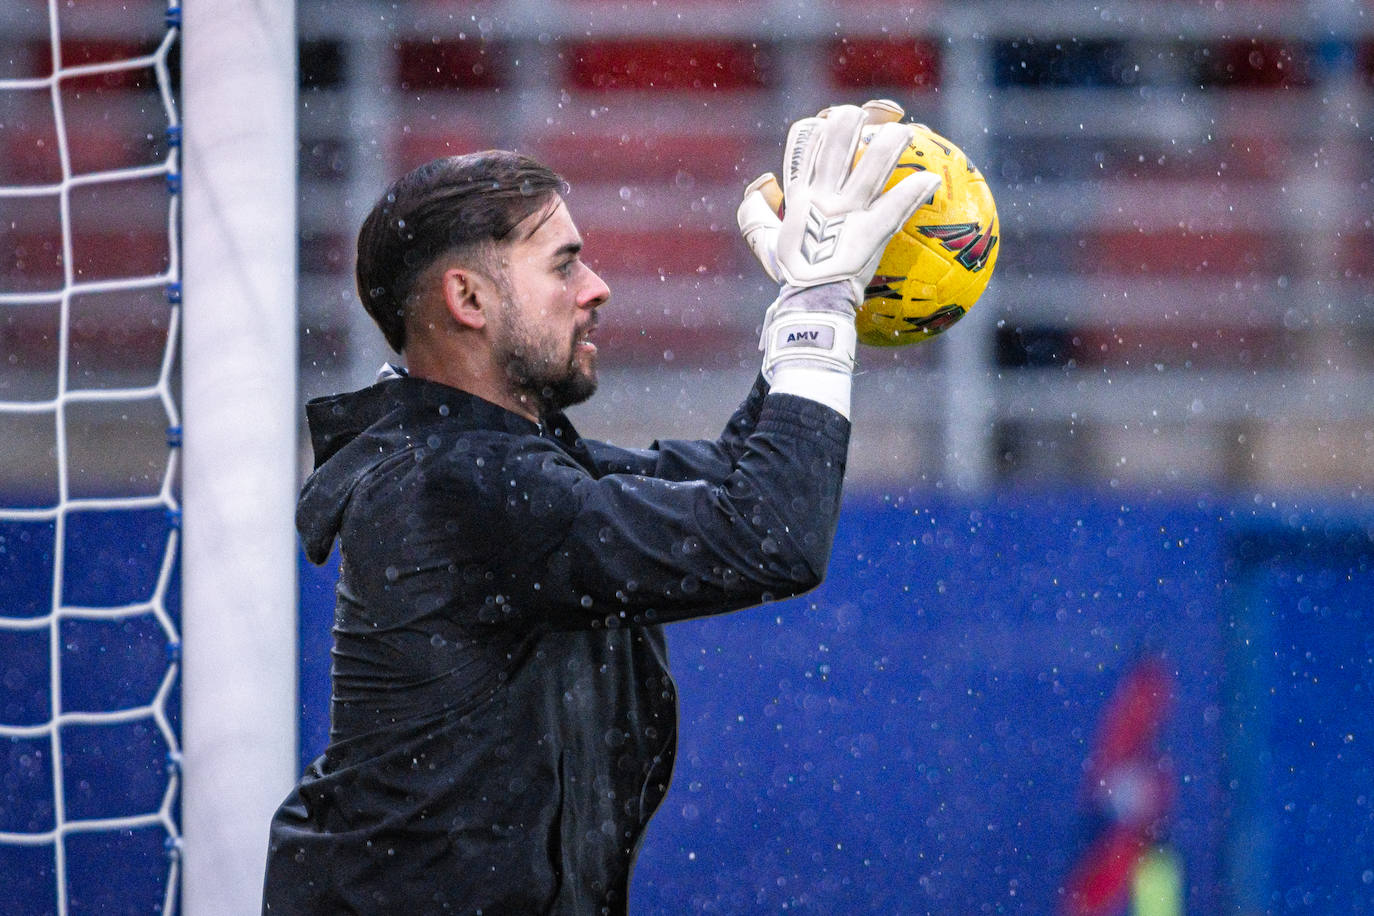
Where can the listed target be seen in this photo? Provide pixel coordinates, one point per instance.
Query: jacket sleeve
(627, 549)
(688, 459)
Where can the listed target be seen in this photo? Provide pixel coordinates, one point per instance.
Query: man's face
(548, 312)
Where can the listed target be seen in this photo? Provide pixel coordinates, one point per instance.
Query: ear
(469, 296)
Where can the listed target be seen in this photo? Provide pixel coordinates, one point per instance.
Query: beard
(539, 370)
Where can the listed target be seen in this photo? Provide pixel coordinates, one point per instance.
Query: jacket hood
(354, 432)
(336, 422)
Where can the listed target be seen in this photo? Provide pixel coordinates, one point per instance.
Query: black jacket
(503, 722)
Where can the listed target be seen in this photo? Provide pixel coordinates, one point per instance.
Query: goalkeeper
(503, 722)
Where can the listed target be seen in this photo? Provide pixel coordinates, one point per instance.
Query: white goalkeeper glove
(825, 248)
(758, 211)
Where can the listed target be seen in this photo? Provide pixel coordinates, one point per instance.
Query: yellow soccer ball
(940, 260)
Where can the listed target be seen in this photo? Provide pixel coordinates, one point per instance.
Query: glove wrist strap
(811, 355)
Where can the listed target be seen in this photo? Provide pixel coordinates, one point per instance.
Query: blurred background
(1102, 586)
(1183, 292)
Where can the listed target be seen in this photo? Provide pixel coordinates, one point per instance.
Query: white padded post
(239, 397)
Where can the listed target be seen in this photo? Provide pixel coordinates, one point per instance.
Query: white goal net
(89, 437)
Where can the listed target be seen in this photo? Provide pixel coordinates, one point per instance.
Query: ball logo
(938, 321)
(883, 286)
(972, 244)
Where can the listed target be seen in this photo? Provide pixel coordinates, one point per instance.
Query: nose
(594, 291)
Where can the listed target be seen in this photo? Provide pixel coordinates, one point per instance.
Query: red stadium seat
(863, 61)
(654, 156)
(412, 148)
(1173, 345)
(1252, 63)
(671, 252)
(1179, 251)
(450, 63)
(666, 64)
(86, 52)
(109, 255)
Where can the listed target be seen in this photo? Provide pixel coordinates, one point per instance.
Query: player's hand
(837, 218)
(876, 111)
(758, 213)
(759, 221)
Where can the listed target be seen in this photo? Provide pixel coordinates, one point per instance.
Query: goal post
(239, 476)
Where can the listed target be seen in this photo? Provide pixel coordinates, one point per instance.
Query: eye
(566, 268)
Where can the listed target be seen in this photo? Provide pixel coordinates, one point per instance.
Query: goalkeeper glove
(825, 248)
(758, 211)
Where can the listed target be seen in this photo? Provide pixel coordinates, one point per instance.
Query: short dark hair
(450, 205)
